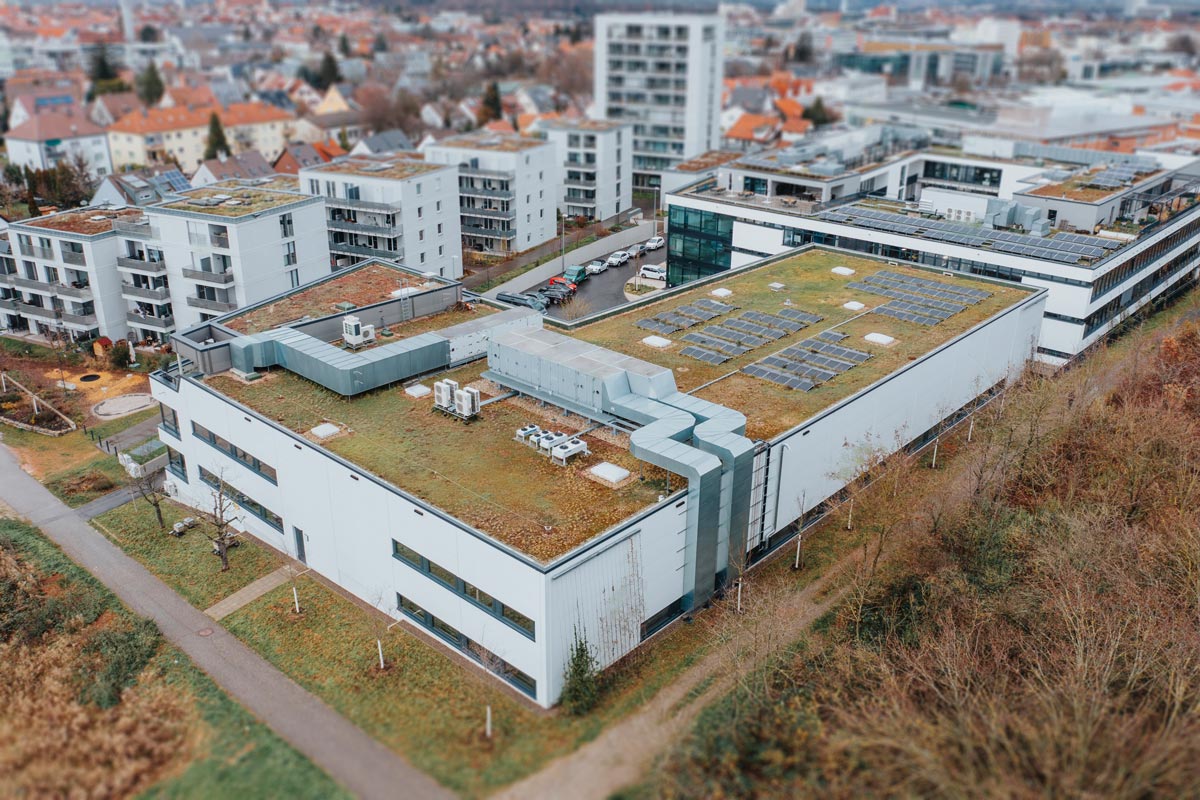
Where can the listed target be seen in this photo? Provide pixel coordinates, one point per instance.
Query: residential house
(108, 108)
(179, 135)
(142, 187)
(61, 135)
(247, 165)
(297, 155)
(383, 142)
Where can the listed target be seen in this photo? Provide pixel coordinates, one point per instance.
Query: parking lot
(606, 290)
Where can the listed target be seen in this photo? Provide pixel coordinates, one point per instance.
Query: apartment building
(62, 279)
(597, 166)
(678, 467)
(158, 135)
(211, 250)
(663, 73)
(508, 200)
(1105, 233)
(392, 207)
(57, 136)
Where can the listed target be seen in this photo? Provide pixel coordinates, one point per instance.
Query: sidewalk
(349, 756)
(133, 435)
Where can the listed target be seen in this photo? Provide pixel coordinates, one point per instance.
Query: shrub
(118, 357)
(122, 655)
(581, 689)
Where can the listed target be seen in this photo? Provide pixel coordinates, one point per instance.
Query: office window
(289, 253)
(418, 188)
(422, 258)
(439, 205)
(518, 619)
(287, 228)
(406, 553)
(421, 235)
(439, 229)
(442, 574)
(293, 278)
(441, 249)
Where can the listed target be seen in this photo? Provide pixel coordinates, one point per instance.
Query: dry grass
(810, 286)
(405, 442)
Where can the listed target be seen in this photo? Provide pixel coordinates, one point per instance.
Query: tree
(102, 68)
(148, 34)
(220, 520)
(147, 486)
(31, 203)
(382, 112)
(581, 685)
(343, 139)
(110, 86)
(328, 74)
(13, 174)
(344, 45)
(1182, 43)
(802, 50)
(491, 107)
(150, 85)
(380, 45)
(818, 114)
(118, 356)
(216, 143)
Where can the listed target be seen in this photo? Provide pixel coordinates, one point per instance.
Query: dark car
(527, 300)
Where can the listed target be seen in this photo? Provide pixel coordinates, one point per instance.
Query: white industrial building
(508, 199)
(389, 206)
(594, 491)
(597, 166)
(663, 72)
(1105, 233)
(139, 273)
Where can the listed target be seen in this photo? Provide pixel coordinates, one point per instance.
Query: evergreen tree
(381, 43)
(491, 108)
(150, 85)
(30, 201)
(581, 684)
(344, 45)
(328, 74)
(818, 114)
(216, 142)
(102, 68)
(344, 140)
(148, 34)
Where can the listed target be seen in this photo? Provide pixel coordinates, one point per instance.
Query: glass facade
(700, 244)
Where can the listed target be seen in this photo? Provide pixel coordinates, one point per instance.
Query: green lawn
(184, 563)
(79, 485)
(229, 753)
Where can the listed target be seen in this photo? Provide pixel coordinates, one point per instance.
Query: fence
(5, 380)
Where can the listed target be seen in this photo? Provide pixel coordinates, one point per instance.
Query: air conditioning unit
(443, 395)
(462, 403)
(565, 450)
(355, 334)
(526, 431)
(474, 401)
(453, 386)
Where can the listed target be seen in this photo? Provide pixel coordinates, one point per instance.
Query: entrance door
(299, 534)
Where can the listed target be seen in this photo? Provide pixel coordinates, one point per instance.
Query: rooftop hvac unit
(566, 450)
(551, 439)
(525, 432)
(443, 395)
(452, 384)
(355, 334)
(466, 403)
(474, 400)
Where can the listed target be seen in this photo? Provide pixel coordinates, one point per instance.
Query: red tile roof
(64, 123)
(156, 120)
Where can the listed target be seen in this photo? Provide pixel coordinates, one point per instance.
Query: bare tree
(149, 488)
(220, 520)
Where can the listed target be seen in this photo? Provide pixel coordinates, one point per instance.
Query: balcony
(586, 183)
(488, 233)
(219, 278)
(131, 292)
(141, 265)
(476, 172)
(496, 194)
(51, 315)
(34, 251)
(487, 213)
(8, 303)
(218, 240)
(362, 205)
(366, 252)
(362, 227)
(83, 292)
(87, 321)
(583, 165)
(72, 257)
(134, 230)
(30, 285)
(155, 323)
(210, 305)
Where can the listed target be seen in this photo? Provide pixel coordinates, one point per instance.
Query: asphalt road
(606, 290)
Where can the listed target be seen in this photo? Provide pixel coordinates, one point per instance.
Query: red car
(559, 280)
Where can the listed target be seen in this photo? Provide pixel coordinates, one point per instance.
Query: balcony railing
(32, 285)
(362, 205)
(220, 240)
(588, 183)
(72, 257)
(75, 292)
(362, 227)
(142, 265)
(82, 320)
(491, 233)
(210, 305)
(135, 230)
(477, 172)
(222, 278)
(487, 213)
(498, 194)
(368, 252)
(146, 321)
(35, 251)
(161, 294)
(9, 303)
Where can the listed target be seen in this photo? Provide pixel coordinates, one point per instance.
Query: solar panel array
(1118, 175)
(1063, 248)
(789, 325)
(808, 363)
(684, 317)
(704, 355)
(919, 300)
(737, 335)
(715, 344)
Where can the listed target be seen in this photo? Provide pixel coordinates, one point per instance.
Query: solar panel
(789, 325)
(714, 306)
(746, 326)
(748, 340)
(947, 287)
(655, 325)
(707, 356)
(907, 316)
(781, 378)
(800, 369)
(699, 313)
(678, 320)
(713, 343)
(799, 316)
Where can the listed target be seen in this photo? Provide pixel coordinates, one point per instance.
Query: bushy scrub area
(1035, 632)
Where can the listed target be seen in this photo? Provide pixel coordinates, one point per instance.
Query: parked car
(576, 274)
(526, 300)
(618, 258)
(596, 267)
(636, 251)
(655, 242)
(655, 272)
(555, 294)
(559, 280)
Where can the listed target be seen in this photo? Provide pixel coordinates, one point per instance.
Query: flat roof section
(225, 202)
(392, 168)
(484, 140)
(373, 282)
(273, 183)
(86, 221)
(808, 286)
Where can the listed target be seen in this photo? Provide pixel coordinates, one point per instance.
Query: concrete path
(133, 435)
(351, 757)
(106, 503)
(249, 593)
